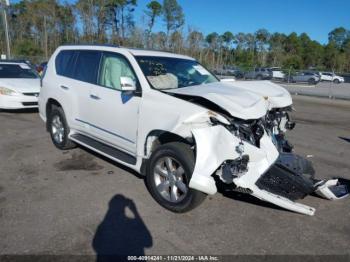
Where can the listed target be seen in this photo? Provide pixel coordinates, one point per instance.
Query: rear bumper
(18, 102)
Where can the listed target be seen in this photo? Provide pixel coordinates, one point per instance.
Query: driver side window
(113, 67)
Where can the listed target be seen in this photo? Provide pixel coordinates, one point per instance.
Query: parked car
(19, 85)
(168, 118)
(311, 78)
(230, 71)
(259, 74)
(331, 77)
(277, 73)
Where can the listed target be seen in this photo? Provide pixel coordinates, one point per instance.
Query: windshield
(171, 73)
(16, 71)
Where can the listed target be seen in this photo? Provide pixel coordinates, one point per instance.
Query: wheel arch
(158, 137)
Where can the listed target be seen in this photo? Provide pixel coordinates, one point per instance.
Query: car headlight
(6, 91)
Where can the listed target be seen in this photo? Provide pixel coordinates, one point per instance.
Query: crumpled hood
(277, 96)
(21, 85)
(238, 102)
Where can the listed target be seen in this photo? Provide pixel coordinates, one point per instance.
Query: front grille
(283, 182)
(30, 103)
(31, 94)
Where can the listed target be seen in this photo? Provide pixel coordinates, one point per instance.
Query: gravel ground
(77, 202)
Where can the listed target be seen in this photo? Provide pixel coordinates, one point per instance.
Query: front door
(114, 114)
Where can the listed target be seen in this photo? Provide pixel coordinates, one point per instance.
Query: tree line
(37, 27)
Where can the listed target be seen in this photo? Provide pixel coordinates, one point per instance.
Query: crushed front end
(254, 157)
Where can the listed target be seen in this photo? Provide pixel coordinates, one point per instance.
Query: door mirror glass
(127, 84)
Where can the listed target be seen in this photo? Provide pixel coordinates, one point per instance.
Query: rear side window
(65, 63)
(86, 67)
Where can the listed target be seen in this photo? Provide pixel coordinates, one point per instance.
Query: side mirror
(127, 84)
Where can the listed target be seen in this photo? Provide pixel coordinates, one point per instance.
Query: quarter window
(65, 63)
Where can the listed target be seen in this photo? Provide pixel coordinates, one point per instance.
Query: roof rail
(148, 49)
(86, 44)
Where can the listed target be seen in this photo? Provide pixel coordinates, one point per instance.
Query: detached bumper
(18, 101)
(270, 176)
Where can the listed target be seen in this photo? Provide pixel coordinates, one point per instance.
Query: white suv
(170, 119)
(329, 76)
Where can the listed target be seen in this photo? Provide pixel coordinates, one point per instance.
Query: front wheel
(169, 172)
(336, 81)
(59, 129)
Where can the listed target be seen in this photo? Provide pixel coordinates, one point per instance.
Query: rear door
(83, 80)
(64, 66)
(300, 77)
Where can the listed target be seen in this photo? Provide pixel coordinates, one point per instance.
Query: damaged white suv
(170, 119)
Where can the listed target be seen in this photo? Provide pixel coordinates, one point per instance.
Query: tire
(311, 81)
(336, 81)
(164, 186)
(59, 129)
(259, 77)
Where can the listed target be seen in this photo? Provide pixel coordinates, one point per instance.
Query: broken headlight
(249, 131)
(217, 119)
(278, 121)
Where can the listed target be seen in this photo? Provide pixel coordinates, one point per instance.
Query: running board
(103, 148)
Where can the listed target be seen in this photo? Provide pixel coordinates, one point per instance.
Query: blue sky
(315, 17)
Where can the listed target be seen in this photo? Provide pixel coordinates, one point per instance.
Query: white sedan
(19, 85)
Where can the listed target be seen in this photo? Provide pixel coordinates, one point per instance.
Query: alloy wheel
(170, 179)
(57, 129)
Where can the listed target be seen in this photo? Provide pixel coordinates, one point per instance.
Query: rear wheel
(169, 172)
(59, 129)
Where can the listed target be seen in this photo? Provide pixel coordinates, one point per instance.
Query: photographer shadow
(122, 232)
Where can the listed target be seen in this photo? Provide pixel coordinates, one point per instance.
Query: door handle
(95, 97)
(65, 87)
